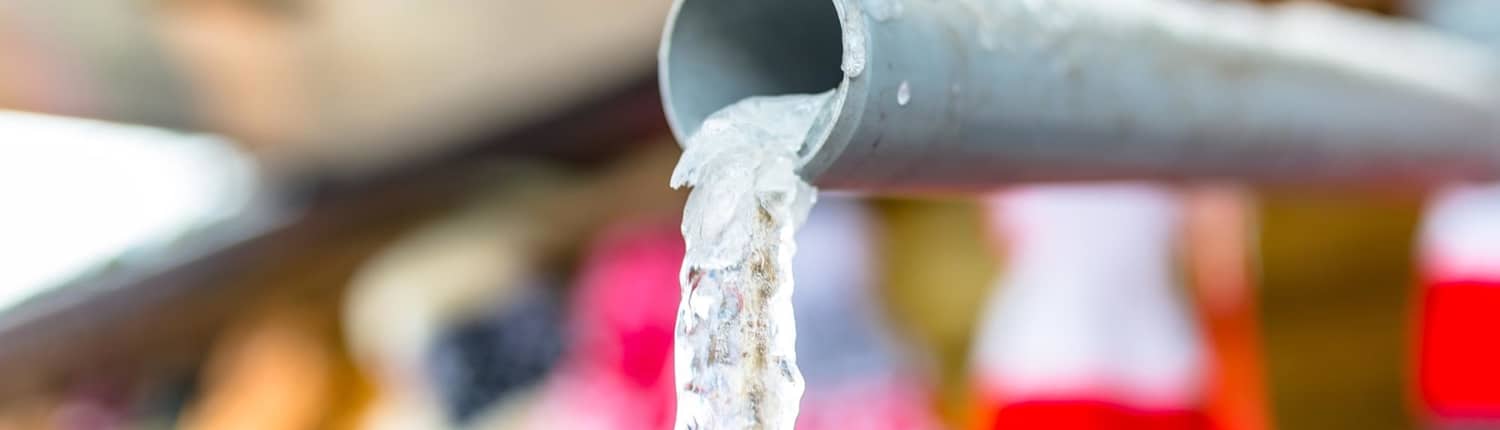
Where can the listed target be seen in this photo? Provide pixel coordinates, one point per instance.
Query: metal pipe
(968, 94)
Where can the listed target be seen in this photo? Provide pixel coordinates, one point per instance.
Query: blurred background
(383, 214)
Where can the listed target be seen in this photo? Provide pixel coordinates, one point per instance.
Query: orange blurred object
(270, 373)
(1220, 235)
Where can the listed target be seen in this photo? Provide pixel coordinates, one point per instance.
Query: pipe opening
(721, 51)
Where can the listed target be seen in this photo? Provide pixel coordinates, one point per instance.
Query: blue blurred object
(476, 364)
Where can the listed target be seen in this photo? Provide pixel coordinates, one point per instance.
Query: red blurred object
(1091, 415)
(1459, 356)
(618, 371)
(625, 306)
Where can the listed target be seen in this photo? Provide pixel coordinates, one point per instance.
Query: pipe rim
(684, 113)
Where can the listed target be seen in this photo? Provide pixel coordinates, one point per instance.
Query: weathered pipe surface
(969, 94)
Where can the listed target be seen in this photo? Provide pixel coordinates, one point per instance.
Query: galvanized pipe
(967, 94)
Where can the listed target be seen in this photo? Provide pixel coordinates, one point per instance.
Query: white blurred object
(859, 376)
(1089, 304)
(1460, 237)
(842, 338)
(77, 195)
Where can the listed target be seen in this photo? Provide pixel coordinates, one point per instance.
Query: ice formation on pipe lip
(855, 56)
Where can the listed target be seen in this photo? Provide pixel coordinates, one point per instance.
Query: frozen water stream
(736, 362)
